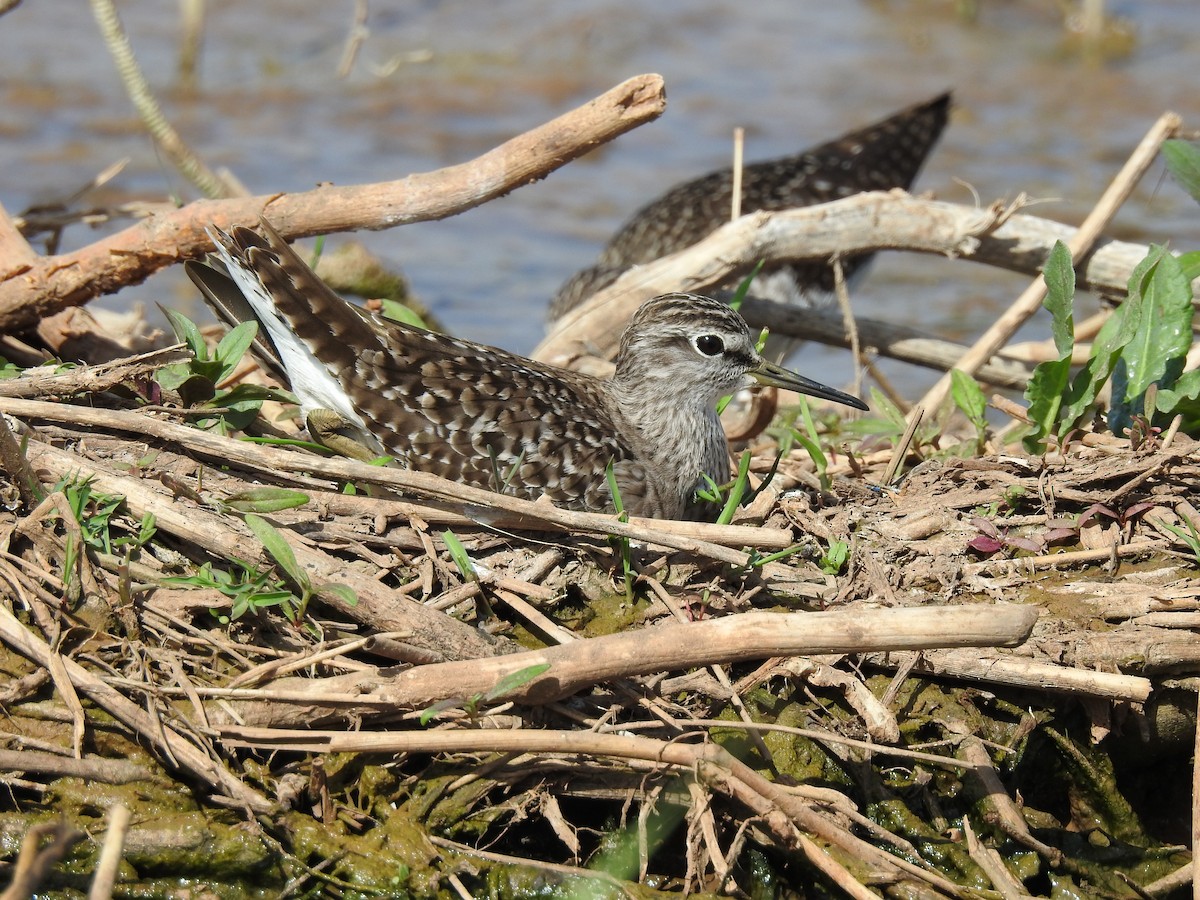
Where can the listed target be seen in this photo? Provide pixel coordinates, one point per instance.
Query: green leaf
(743, 287)
(459, 554)
(834, 559)
(1045, 391)
(277, 546)
(968, 396)
(611, 478)
(1060, 294)
(1183, 159)
(233, 346)
(514, 680)
(342, 592)
(736, 491)
(1164, 334)
(1190, 264)
(814, 450)
(265, 500)
(185, 330)
(1183, 400)
(398, 312)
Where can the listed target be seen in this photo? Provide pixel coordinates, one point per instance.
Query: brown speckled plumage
(885, 155)
(489, 418)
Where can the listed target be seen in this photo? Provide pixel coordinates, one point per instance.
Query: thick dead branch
(669, 647)
(863, 223)
(32, 289)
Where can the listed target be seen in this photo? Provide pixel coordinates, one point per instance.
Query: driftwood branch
(33, 288)
(863, 223)
(670, 647)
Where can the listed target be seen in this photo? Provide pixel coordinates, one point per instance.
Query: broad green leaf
(1060, 294)
(398, 312)
(1190, 264)
(185, 330)
(1183, 159)
(233, 346)
(1047, 387)
(1182, 400)
(1164, 334)
(279, 549)
(343, 592)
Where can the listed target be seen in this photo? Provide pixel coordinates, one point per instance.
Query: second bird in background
(884, 155)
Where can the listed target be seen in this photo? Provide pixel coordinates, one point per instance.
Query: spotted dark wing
(486, 417)
(461, 410)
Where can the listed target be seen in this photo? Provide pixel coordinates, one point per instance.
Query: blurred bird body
(884, 155)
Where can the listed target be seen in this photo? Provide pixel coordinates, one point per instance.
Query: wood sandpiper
(490, 418)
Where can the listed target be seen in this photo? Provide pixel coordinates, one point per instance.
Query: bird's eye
(710, 345)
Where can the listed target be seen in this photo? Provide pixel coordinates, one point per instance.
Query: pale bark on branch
(859, 224)
(33, 288)
(663, 648)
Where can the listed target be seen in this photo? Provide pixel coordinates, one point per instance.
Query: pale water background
(438, 83)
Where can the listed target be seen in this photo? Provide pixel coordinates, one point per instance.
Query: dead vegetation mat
(691, 710)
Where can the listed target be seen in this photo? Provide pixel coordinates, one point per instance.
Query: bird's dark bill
(772, 375)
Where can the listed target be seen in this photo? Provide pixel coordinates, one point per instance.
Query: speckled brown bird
(486, 417)
(884, 155)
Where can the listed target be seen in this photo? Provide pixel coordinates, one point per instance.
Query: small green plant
(197, 381)
(94, 512)
(466, 568)
(471, 705)
(280, 551)
(969, 398)
(758, 560)
(810, 440)
(254, 590)
(620, 544)
(502, 480)
(1191, 537)
(833, 560)
(249, 589)
(1143, 345)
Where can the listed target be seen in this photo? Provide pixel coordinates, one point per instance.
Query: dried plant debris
(234, 648)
